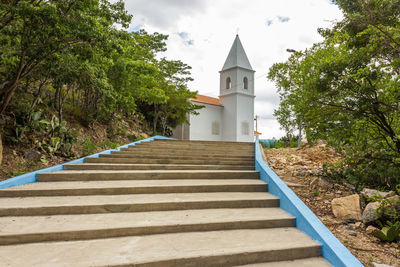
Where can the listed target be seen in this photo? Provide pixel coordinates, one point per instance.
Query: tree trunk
(36, 100)
(6, 97)
(155, 120)
(164, 125)
(8, 93)
(299, 140)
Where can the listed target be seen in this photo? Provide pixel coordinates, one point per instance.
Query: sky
(201, 33)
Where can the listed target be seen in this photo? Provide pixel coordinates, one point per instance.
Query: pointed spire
(237, 56)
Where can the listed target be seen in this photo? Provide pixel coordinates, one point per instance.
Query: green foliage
(88, 146)
(76, 59)
(316, 192)
(285, 141)
(389, 209)
(346, 90)
(389, 233)
(109, 145)
(268, 143)
(132, 137)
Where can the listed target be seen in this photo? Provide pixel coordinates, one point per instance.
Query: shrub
(88, 146)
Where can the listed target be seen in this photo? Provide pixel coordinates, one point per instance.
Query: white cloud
(201, 33)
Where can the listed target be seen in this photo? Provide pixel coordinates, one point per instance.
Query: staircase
(160, 203)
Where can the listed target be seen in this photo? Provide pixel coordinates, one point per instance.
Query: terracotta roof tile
(255, 132)
(207, 100)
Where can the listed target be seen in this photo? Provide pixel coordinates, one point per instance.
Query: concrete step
(134, 187)
(200, 142)
(111, 166)
(187, 161)
(194, 151)
(191, 146)
(57, 205)
(179, 157)
(309, 262)
(18, 230)
(112, 175)
(213, 248)
(183, 153)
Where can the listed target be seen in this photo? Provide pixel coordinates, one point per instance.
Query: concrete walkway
(162, 203)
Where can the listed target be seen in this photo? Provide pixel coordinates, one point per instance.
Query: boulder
(32, 155)
(367, 192)
(347, 208)
(370, 229)
(322, 183)
(371, 213)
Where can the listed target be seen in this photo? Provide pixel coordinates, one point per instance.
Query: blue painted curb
(332, 250)
(31, 177)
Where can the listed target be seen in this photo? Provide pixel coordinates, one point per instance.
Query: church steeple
(237, 57)
(237, 95)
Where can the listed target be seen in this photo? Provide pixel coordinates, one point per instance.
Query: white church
(230, 117)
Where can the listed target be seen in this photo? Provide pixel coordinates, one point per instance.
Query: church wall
(245, 118)
(229, 117)
(208, 124)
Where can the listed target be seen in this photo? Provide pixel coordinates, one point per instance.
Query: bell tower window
(228, 83)
(245, 83)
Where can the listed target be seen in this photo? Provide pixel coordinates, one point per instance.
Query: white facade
(231, 116)
(208, 124)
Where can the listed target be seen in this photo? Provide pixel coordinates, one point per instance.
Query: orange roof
(255, 132)
(207, 100)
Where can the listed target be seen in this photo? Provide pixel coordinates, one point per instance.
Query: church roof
(237, 57)
(207, 100)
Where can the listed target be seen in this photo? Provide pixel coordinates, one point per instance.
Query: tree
(33, 32)
(346, 90)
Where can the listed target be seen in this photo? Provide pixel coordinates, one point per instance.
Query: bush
(109, 145)
(366, 166)
(283, 142)
(88, 146)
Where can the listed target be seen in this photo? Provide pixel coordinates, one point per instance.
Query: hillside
(302, 170)
(20, 158)
(74, 79)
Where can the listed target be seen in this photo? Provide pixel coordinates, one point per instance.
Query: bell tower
(237, 95)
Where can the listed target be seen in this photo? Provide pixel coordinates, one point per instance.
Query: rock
(368, 193)
(350, 227)
(352, 233)
(370, 229)
(294, 185)
(357, 224)
(304, 142)
(321, 143)
(301, 173)
(347, 208)
(370, 213)
(1, 151)
(320, 183)
(380, 265)
(350, 186)
(32, 155)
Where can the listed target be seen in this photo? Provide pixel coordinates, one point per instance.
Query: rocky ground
(301, 170)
